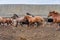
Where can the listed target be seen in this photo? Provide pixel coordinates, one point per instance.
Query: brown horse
(55, 16)
(9, 21)
(35, 19)
(4, 20)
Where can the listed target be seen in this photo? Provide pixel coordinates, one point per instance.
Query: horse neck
(21, 18)
(55, 15)
(28, 18)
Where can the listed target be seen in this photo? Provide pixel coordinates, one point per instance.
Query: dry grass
(48, 32)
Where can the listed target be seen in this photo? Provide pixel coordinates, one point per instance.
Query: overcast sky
(29, 1)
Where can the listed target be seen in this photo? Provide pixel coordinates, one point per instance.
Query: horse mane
(57, 13)
(54, 12)
(29, 14)
(15, 16)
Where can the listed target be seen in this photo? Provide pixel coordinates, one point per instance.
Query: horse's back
(39, 18)
(20, 19)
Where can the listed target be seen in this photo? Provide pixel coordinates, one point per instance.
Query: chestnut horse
(55, 16)
(35, 19)
(4, 20)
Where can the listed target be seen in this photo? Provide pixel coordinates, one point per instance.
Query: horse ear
(52, 12)
(55, 12)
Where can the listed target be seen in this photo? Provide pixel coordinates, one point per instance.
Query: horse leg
(57, 27)
(11, 23)
(21, 24)
(32, 24)
(0, 23)
(3, 24)
(38, 24)
(28, 24)
(59, 24)
(16, 24)
(8, 23)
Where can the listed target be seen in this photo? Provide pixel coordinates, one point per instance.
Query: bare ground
(48, 32)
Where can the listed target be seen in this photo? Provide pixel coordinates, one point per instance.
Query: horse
(9, 21)
(14, 21)
(4, 20)
(55, 16)
(20, 21)
(36, 19)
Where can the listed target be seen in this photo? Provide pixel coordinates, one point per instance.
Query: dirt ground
(48, 32)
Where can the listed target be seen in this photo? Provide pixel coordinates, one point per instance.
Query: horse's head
(15, 16)
(52, 13)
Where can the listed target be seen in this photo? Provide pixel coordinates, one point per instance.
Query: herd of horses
(29, 19)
